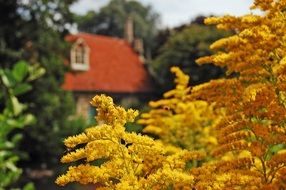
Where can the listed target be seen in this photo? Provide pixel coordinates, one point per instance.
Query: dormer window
(80, 56)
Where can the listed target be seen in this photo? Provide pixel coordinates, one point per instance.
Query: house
(103, 64)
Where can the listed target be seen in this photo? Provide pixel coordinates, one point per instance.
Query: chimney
(138, 45)
(139, 48)
(128, 30)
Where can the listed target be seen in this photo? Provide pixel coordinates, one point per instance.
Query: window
(91, 115)
(80, 56)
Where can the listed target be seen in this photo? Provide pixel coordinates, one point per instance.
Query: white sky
(176, 12)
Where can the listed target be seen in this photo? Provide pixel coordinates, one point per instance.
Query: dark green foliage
(34, 30)
(182, 48)
(133, 127)
(13, 115)
(51, 105)
(160, 39)
(164, 34)
(24, 21)
(110, 20)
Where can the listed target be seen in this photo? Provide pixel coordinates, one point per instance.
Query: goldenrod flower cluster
(180, 122)
(131, 161)
(254, 99)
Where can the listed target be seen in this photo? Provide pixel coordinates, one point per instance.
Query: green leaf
(16, 138)
(29, 186)
(15, 106)
(20, 70)
(8, 78)
(21, 89)
(28, 119)
(14, 123)
(275, 148)
(21, 121)
(6, 145)
(36, 72)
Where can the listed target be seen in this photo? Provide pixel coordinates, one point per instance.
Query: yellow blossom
(179, 121)
(130, 160)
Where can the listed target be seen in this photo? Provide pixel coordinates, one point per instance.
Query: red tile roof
(114, 67)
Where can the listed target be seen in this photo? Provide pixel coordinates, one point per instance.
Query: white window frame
(80, 66)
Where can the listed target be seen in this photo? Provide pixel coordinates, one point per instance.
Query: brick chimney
(139, 48)
(129, 31)
(136, 43)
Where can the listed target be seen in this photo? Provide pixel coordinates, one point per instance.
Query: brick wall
(82, 105)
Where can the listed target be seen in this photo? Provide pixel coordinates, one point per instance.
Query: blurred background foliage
(180, 47)
(34, 31)
(110, 20)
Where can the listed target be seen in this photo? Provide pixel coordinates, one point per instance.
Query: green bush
(14, 83)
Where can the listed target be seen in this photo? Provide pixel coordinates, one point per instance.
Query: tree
(181, 49)
(163, 35)
(34, 31)
(110, 20)
(27, 20)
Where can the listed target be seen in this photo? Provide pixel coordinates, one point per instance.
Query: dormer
(80, 56)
